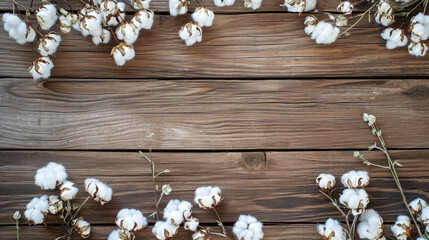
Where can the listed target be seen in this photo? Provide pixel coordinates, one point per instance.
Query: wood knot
(253, 161)
(419, 92)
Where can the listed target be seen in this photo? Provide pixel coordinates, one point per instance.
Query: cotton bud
(248, 227)
(203, 17)
(166, 189)
(394, 37)
(46, 16)
(164, 230)
(113, 12)
(192, 224)
(131, 220)
(402, 227)
(425, 216)
(417, 205)
(49, 176)
(345, 7)
(370, 119)
(191, 33)
(201, 235)
(176, 211)
(18, 29)
(208, 197)
(140, 4)
(122, 53)
(223, 3)
(98, 190)
(326, 182)
(417, 49)
(55, 204)
(355, 179)
(48, 45)
(120, 234)
(127, 32)
(37, 209)
(355, 200)
(17, 215)
(341, 21)
(384, 14)
(254, 4)
(370, 225)
(325, 33)
(178, 7)
(82, 227)
(299, 6)
(91, 23)
(331, 230)
(68, 190)
(310, 23)
(41, 69)
(143, 19)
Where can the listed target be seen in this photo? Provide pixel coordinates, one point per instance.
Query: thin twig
(67, 235)
(361, 17)
(199, 3)
(68, 3)
(78, 209)
(152, 169)
(221, 224)
(346, 217)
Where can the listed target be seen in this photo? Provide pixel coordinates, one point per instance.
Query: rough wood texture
(279, 189)
(205, 114)
(255, 46)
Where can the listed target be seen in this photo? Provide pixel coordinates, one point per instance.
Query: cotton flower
(49, 176)
(113, 12)
(41, 69)
(120, 234)
(131, 220)
(166, 189)
(203, 16)
(55, 204)
(140, 4)
(299, 5)
(417, 205)
(325, 181)
(254, 4)
(122, 53)
(143, 19)
(340, 21)
(223, 3)
(164, 230)
(355, 199)
(20, 31)
(402, 227)
(176, 211)
(370, 119)
(48, 45)
(82, 227)
(345, 7)
(384, 14)
(355, 179)
(91, 23)
(325, 33)
(37, 209)
(370, 225)
(46, 16)
(201, 235)
(98, 190)
(67, 20)
(103, 38)
(191, 33)
(208, 197)
(394, 37)
(310, 23)
(68, 190)
(248, 227)
(425, 216)
(178, 7)
(191, 224)
(417, 49)
(331, 230)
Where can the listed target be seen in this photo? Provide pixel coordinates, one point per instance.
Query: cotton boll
(82, 227)
(325, 33)
(46, 16)
(113, 12)
(20, 31)
(355, 179)
(164, 230)
(104, 38)
(384, 14)
(53, 173)
(370, 225)
(310, 23)
(325, 181)
(370, 119)
(425, 216)
(402, 227)
(37, 209)
(201, 235)
(131, 220)
(67, 20)
(191, 224)
(394, 37)
(208, 197)
(176, 211)
(122, 53)
(178, 7)
(203, 17)
(55, 204)
(68, 190)
(191, 33)
(48, 178)
(299, 6)
(143, 19)
(127, 32)
(141, 4)
(248, 227)
(120, 234)
(355, 199)
(345, 7)
(254, 4)
(331, 230)
(98, 190)
(223, 3)
(417, 205)
(91, 23)
(48, 45)
(417, 49)
(31, 34)
(10, 21)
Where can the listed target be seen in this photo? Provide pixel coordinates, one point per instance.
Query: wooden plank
(279, 188)
(274, 46)
(206, 114)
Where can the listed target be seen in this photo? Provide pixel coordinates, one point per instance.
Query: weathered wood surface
(237, 46)
(208, 114)
(278, 188)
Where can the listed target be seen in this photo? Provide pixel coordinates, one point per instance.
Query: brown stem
(346, 217)
(114, 35)
(361, 17)
(199, 3)
(68, 3)
(129, 4)
(221, 224)
(67, 235)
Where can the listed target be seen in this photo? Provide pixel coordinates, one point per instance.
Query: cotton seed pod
(98, 190)
(208, 197)
(417, 49)
(164, 230)
(41, 69)
(326, 182)
(143, 19)
(355, 179)
(55, 204)
(46, 16)
(203, 17)
(120, 234)
(345, 7)
(325, 33)
(17, 215)
(191, 33)
(200, 235)
(419, 32)
(48, 45)
(402, 227)
(254, 4)
(82, 227)
(178, 7)
(140, 4)
(299, 6)
(122, 53)
(331, 230)
(310, 23)
(68, 190)
(417, 205)
(341, 21)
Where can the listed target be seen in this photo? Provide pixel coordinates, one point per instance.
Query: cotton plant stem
(361, 17)
(78, 209)
(17, 229)
(67, 235)
(354, 227)
(346, 217)
(221, 224)
(152, 169)
(68, 3)
(199, 3)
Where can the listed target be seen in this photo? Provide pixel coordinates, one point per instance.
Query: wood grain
(255, 46)
(206, 114)
(277, 189)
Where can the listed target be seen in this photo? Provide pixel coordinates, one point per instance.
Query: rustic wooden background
(257, 108)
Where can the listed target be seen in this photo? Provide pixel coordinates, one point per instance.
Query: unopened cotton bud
(55, 204)
(164, 230)
(223, 3)
(417, 49)
(140, 4)
(331, 230)
(417, 205)
(98, 190)
(46, 16)
(355, 179)
(103, 38)
(68, 190)
(17, 215)
(127, 32)
(48, 45)
(122, 53)
(191, 33)
(402, 227)
(345, 7)
(370, 119)
(299, 6)
(248, 227)
(326, 182)
(82, 227)
(143, 19)
(370, 225)
(192, 224)
(178, 7)
(310, 23)
(131, 220)
(254, 4)
(203, 16)
(166, 189)
(208, 197)
(41, 69)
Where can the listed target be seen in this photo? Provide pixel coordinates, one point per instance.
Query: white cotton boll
(143, 19)
(419, 32)
(131, 220)
(164, 230)
(178, 7)
(370, 225)
(91, 23)
(53, 173)
(325, 181)
(384, 19)
(370, 119)
(55, 204)
(20, 31)
(421, 18)
(127, 32)
(48, 45)
(299, 6)
(417, 205)
(176, 211)
(67, 20)
(425, 216)
(192, 224)
(354, 199)
(122, 53)
(325, 33)
(331, 230)
(203, 17)
(402, 227)
(394, 37)
(46, 16)
(345, 7)
(310, 24)
(31, 34)
(37, 209)
(119, 234)
(191, 33)
(223, 3)
(208, 197)
(113, 12)
(417, 49)
(200, 235)
(355, 179)
(103, 38)
(98, 190)
(82, 227)
(254, 4)
(68, 190)
(48, 178)
(141, 4)
(248, 227)
(10, 21)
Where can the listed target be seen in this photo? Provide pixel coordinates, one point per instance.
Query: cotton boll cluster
(345, 7)
(384, 14)
(143, 19)
(402, 227)
(355, 179)
(331, 230)
(191, 33)
(122, 53)
(98, 190)
(325, 33)
(299, 6)
(82, 227)
(68, 190)
(223, 3)
(41, 69)
(394, 37)
(325, 181)
(140, 4)
(49, 176)
(208, 197)
(164, 230)
(370, 226)
(18, 29)
(178, 7)
(254, 4)
(37, 209)
(48, 45)
(203, 17)
(248, 227)
(46, 16)
(55, 204)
